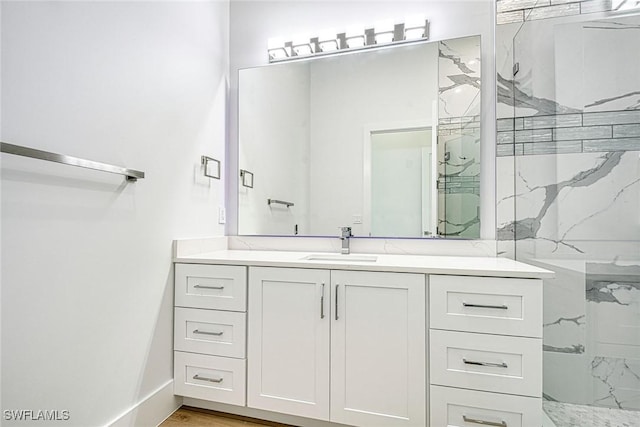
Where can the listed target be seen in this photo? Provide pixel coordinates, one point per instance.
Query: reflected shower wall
(459, 137)
(569, 149)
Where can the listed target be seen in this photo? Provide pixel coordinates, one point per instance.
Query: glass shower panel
(576, 142)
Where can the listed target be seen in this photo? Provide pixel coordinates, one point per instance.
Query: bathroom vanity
(360, 339)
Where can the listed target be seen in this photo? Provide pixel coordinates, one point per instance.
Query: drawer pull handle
(322, 303)
(337, 302)
(218, 288)
(483, 422)
(213, 380)
(208, 333)
(499, 307)
(495, 365)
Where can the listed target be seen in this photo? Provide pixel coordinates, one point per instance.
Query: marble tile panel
(615, 144)
(510, 17)
(504, 124)
(552, 11)
(564, 315)
(534, 135)
(592, 6)
(555, 2)
(573, 384)
(503, 150)
(555, 121)
(555, 147)
(505, 137)
(611, 117)
(509, 5)
(616, 382)
(626, 131)
(518, 123)
(586, 132)
(570, 197)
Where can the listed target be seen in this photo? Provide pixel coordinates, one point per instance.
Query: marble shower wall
(459, 137)
(568, 167)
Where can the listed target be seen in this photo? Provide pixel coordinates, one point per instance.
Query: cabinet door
(378, 359)
(288, 344)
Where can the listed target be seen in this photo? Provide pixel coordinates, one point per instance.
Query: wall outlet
(222, 215)
(357, 219)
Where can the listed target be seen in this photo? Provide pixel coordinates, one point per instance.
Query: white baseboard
(152, 410)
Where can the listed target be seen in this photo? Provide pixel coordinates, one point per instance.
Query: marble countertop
(465, 266)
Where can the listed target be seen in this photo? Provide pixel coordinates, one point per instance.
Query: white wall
(254, 22)
(388, 89)
(277, 154)
(86, 258)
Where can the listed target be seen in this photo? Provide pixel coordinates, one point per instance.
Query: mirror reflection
(386, 141)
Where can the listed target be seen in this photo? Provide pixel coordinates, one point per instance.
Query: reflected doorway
(400, 186)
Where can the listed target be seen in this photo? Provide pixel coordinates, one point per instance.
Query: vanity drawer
(219, 379)
(219, 333)
(454, 407)
(494, 305)
(486, 362)
(219, 287)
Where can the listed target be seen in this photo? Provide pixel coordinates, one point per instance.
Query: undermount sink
(341, 258)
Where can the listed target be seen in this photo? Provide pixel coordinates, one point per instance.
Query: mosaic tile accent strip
(510, 11)
(569, 133)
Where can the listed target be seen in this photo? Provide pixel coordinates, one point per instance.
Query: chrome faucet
(346, 234)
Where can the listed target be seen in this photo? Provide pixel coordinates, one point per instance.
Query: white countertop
(465, 266)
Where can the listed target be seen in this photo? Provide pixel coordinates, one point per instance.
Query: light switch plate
(222, 215)
(357, 219)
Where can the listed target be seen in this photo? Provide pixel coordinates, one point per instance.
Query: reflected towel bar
(271, 201)
(130, 174)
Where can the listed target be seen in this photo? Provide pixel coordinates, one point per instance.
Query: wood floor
(186, 416)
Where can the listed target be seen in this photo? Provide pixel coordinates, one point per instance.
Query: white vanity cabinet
(210, 331)
(485, 351)
(342, 346)
(288, 345)
(384, 340)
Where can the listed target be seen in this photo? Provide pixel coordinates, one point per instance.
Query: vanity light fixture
(278, 49)
(328, 42)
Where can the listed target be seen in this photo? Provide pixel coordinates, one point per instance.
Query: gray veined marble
(573, 349)
(460, 228)
(552, 11)
(611, 283)
(611, 373)
(455, 59)
(578, 320)
(632, 98)
(571, 415)
(611, 117)
(509, 93)
(527, 228)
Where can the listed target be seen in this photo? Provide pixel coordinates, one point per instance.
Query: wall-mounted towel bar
(279, 202)
(130, 174)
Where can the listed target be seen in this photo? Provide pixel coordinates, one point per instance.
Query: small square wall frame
(247, 178)
(211, 163)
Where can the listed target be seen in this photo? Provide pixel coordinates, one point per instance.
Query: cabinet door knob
(483, 422)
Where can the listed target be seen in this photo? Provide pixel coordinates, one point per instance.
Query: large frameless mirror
(386, 141)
